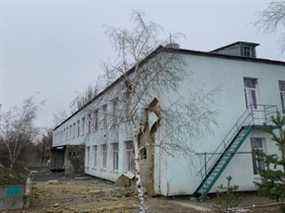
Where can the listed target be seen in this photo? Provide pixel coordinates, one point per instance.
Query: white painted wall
(178, 175)
(227, 75)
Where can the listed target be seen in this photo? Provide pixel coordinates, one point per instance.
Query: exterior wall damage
(74, 160)
(109, 151)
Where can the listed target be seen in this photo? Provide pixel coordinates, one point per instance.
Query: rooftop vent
(240, 48)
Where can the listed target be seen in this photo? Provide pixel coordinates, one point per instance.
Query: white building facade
(250, 91)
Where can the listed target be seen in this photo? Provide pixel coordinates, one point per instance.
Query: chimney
(239, 48)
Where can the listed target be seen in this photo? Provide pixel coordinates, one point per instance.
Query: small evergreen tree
(272, 183)
(227, 198)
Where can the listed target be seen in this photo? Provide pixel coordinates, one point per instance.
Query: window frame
(78, 128)
(104, 156)
(104, 113)
(282, 94)
(130, 156)
(246, 51)
(87, 157)
(248, 91)
(257, 164)
(95, 156)
(115, 154)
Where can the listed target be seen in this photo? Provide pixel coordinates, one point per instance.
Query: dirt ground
(91, 196)
(53, 193)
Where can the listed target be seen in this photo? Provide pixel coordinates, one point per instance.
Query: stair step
(229, 151)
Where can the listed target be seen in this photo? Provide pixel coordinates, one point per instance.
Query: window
(65, 132)
(105, 116)
(89, 124)
(114, 111)
(74, 130)
(115, 149)
(95, 155)
(70, 131)
(87, 157)
(250, 90)
(78, 128)
(127, 104)
(95, 120)
(83, 126)
(257, 147)
(246, 51)
(130, 156)
(104, 152)
(282, 94)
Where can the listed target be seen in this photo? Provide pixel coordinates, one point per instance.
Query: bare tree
(59, 116)
(44, 145)
(272, 18)
(150, 73)
(83, 98)
(17, 129)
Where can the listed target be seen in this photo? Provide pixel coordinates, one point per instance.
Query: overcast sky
(54, 48)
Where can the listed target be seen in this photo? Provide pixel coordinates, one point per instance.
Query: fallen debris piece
(126, 180)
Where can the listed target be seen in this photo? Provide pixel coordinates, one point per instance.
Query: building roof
(235, 43)
(160, 49)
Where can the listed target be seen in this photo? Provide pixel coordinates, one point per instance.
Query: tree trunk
(139, 185)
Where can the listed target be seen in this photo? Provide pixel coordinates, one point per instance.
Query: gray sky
(55, 47)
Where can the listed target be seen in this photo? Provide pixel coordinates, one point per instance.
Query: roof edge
(152, 54)
(235, 43)
(161, 48)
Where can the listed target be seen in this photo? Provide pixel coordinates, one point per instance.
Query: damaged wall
(147, 145)
(57, 159)
(74, 160)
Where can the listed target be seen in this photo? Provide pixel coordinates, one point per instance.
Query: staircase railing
(255, 115)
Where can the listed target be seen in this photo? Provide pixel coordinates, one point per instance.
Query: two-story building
(251, 90)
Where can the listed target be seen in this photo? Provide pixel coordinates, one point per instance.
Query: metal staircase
(254, 117)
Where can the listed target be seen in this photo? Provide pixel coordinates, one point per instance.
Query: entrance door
(250, 89)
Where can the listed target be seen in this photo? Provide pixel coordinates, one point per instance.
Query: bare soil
(53, 193)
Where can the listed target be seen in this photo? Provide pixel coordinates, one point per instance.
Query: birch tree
(17, 130)
(148, 74)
